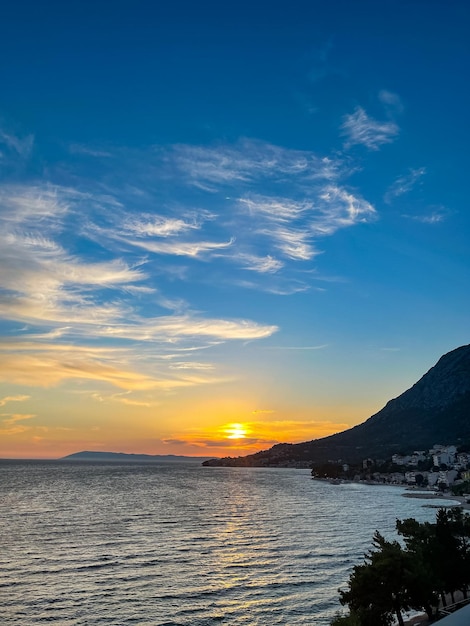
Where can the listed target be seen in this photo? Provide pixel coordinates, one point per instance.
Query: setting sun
(236, 431)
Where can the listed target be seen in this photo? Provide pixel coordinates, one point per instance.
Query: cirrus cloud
(360, 128)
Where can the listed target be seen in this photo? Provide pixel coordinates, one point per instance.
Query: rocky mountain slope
(434, 410)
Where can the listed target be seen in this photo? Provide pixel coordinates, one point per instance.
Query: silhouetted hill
(435, 410)
(123, 457)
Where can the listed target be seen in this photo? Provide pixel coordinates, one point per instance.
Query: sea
(178, 544)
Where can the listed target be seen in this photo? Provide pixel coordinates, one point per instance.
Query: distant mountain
(436, 410)
(123, 457)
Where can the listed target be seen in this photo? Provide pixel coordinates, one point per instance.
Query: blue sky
(223, 213)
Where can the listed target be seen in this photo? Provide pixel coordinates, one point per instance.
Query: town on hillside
(439, 469)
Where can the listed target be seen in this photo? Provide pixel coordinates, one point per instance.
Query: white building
(410, 478)
(398, 459)
(447, 478)
(416, 457)
(432, 478)
(444, 454)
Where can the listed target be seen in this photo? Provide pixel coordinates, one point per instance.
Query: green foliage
(426, 465)
(435, 560)
(461, 489)
(327, 470)
(352, 619)
(376, 592)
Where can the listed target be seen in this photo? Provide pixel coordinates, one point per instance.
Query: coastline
(459, 500)
(410, 492)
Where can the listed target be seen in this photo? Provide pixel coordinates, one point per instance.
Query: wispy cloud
(82, 262)
(360, 128)
(7, 399)
(159, 226)
(245, 162)
(12, 418)
(11, 423)
(263, 265)
(124, 398)
(47, 204)
(404, 184)
(182, 248)
(217, 328)
(77, 148)
(435, 216)
(21, 146)
(192, 365)
(279, 220)
(245, 227)
(293, 226)
(63, 296)
(280, 210)
(132, 402)
(48, 366)
(391, 101)
(341, 208)
(113, 324)
(293, 243)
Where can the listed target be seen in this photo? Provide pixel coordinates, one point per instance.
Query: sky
(226, 225)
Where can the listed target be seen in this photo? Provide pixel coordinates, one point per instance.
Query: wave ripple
(181, 545)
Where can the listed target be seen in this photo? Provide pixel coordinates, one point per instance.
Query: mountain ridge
(98, 456)
(436, 409)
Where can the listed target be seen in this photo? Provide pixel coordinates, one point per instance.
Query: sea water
(181, 544)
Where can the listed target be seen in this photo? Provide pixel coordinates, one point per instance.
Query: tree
(441, 549)
(448, 555)
(352, 619)
(420, 583)
(424, 579)
(435, 561)
(461, 489)
(376, 588)
(453, 532)
(419, 479)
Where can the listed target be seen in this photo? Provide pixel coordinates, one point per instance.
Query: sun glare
(235, 431)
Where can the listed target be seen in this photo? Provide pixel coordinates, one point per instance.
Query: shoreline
(460, 500)
(410, 492)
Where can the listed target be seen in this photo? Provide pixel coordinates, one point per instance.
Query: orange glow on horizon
(224, 427)
(236, 431)
(231, 439)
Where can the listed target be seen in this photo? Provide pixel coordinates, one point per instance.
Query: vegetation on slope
(434, 562)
